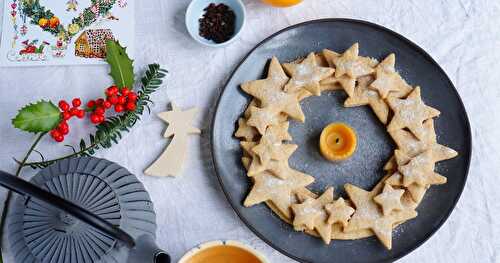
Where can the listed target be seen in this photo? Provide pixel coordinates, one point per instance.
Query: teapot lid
(38, 232)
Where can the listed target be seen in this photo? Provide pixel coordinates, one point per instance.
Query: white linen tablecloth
(462, 35)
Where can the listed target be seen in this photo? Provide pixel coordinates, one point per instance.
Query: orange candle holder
(337, 142)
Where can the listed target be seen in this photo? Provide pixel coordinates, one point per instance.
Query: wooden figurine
(171, 160)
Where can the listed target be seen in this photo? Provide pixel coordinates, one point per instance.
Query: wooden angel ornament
(171, 160)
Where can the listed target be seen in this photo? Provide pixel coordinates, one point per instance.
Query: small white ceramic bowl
(195, 11)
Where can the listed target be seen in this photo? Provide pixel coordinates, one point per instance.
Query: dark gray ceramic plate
(374, 148)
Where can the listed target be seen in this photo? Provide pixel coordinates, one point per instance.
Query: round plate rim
(369, 24)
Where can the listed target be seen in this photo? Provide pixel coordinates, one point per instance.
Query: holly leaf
(122, 70)
(42, 116)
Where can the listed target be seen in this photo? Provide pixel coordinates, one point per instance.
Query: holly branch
(110, 131)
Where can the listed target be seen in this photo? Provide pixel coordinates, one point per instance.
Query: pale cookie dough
(368, 215)
(311, 215)
(387, 80)
(362, 95)
(410, 113)
(412, 146)
(306, 75)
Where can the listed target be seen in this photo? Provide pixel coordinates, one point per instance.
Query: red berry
(80, 114)
(107, 104)
(119, 108)
(63, 130)
(114, 89)
(99, 101)
(63, 125)
(59, 138)
(66, 115)
(124, 91)
(63, 105)
(113, 100)
(130, 106)
(99, 110)
(94, 118)
(73, 111)
(101, 118)
(132, 96)
(54, 133)
(76, 102)
(110, 91)
(122, 100)
(91, 104)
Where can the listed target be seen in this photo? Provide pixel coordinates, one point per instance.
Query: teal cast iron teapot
(81, 210)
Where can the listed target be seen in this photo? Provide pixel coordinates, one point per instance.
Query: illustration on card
(92, 43)
(59, 49)
(39, 32)
(31, 51)
(71, 5)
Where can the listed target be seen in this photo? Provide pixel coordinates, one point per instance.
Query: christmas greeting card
(69, 32)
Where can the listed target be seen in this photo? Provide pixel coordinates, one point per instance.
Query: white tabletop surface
(462, 35)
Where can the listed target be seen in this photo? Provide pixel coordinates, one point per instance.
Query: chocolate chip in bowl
(215, 23)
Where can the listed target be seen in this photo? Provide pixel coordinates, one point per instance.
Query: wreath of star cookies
(264, 138)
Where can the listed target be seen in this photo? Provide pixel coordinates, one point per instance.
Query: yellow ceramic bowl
(282, 3)
(337, 142)
(223, 252)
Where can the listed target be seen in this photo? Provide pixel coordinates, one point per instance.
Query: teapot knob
(145, 250)
(162, 257)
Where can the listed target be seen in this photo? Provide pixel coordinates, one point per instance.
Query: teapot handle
(28, 189)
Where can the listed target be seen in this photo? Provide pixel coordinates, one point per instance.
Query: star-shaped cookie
(412, 146)
(246, 132)
(391, 164)
(410, 113)
(388, 80)
(279, 132)
(275, 80)
(268, 149)
(263, 118)
(268, 187)
(363, 95)
(419, 170)
(346, 82)
(253, 103)
(270, 92)
(278, 168)
(279, 205)
(351, 64)
(305, 214)
(306, 75)
(310, 214)
(415, 191)
(389, 199)
(339, 212)
(368, 215)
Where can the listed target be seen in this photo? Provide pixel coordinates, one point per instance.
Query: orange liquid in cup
(282, 3)
(224, 254)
